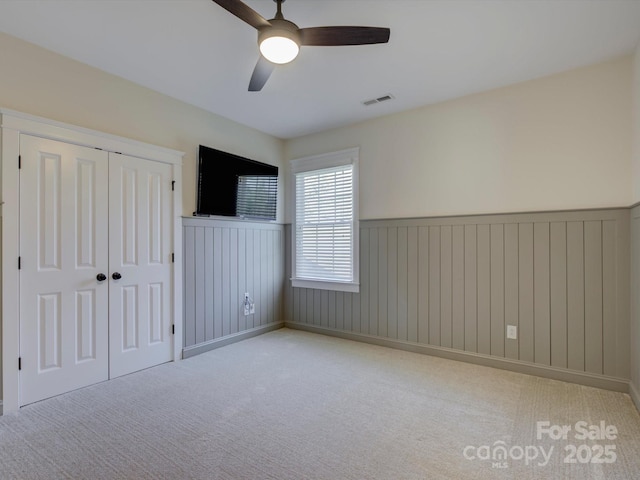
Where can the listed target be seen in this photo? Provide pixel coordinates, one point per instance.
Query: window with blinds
(256, 196)
(325, 224)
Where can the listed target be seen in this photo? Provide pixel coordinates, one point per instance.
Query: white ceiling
(197, 52)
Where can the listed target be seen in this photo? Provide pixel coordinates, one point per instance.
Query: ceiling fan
(280, 40)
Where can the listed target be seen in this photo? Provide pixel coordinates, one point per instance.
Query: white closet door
(140, 264)
(63, 248)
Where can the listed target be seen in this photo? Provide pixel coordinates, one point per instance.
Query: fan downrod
(279, 15)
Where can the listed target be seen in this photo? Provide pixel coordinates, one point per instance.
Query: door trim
(13, 125)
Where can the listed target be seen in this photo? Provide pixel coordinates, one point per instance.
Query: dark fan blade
(336, 36)
(243, 12)
(261, 74)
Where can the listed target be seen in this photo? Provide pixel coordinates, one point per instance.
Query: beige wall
(635, 237)
(39, 82)
(636, 126)
(559, 142)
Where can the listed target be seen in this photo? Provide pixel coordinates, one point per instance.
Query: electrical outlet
(252, 308)
(512, 332)
(247, 309)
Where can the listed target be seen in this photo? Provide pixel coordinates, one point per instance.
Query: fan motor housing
(280, 28)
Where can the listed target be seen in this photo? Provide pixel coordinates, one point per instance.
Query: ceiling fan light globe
(279, 50)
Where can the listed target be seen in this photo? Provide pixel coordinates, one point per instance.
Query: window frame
(321, 162)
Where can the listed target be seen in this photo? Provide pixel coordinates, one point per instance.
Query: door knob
(101, 277)
(116, 276)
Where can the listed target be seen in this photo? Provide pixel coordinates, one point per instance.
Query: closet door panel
(63, 248)
(140, 263)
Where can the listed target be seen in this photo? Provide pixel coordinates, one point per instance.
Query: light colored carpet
(296, 405)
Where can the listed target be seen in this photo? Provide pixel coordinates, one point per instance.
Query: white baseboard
(582, 378)
(229, 339)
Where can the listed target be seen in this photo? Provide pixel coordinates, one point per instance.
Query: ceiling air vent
(381, 99)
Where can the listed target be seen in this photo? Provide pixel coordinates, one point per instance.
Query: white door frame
(13, 125)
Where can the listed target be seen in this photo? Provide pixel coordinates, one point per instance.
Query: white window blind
(325, 224)
(325, 231)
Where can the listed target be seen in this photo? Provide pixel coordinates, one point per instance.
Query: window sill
(326, 285)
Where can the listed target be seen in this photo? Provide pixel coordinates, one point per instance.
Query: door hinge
(19, 263)
(19, 363)
(19, 162)
(173, 185)
(173, 329)
(173, 258)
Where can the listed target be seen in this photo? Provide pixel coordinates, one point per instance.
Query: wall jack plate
(512, 332)
(249, 307)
